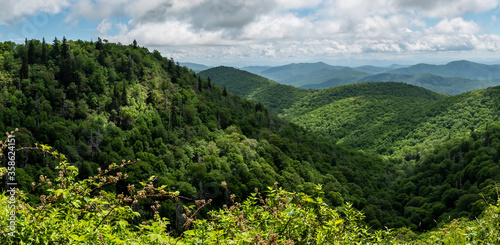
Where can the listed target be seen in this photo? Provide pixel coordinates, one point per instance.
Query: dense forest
(415, 130)
(80, 107)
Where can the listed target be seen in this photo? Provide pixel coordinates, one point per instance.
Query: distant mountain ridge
(461, 68)
(280, 97)
(452, 78)
(194, 66)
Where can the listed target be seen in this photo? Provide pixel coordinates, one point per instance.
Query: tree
(55, 49)
(24, 73)
(31, 53)
(134, 43)
(65, 64)
(64, 49)
(44, 52)
(98, 44)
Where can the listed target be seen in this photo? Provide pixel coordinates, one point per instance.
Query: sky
(271, 32)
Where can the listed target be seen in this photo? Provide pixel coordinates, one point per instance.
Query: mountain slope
(453, 78)
(229, 77)
(281, 98)
(372, 69)
(99, 103)
(462, 68)
(255, 69)
(284, 74)
(442, 150)
(446, 85)
(194, 66)
(256, 88)
(385, 124)
(327, 78)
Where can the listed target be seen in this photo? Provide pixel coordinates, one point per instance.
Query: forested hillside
(446, 85)
(292, 102)
(99, 103)
(424, 135)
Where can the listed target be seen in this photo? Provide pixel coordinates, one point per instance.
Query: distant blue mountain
(195, 67)
(461, 68)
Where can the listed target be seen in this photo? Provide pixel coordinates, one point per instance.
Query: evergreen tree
(31, 53)
(130, 68)
(66, 71)
(98, 44)
(44, 52)
(55, 49)
(124, 95)
(24, 72)
(64, 49)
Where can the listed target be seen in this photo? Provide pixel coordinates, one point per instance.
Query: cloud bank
(222, 29)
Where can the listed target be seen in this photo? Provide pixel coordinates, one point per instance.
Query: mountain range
(453, 78)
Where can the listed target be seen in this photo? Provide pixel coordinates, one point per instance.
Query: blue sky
(271, 32)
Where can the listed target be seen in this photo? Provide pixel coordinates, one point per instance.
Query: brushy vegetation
(80, 212)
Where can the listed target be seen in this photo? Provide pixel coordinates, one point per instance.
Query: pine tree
(98, 44)
(64, 49)
(134, 44)
(55, 49)
(31, 53)
(44, 52)
(66, 71)
(124, 95)
(24, 73)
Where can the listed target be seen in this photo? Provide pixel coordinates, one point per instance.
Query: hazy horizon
(276, 32)
(348, 63)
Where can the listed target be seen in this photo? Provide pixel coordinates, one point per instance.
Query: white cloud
(99, 9)
(170, 33)
(298, 4)
(220, 29)
(13, 10)
(278, 27)
(242, 29)
(448, 8)
(104, 26)
(456, 26)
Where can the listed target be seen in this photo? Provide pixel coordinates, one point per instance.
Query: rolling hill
(361, 115)
(443, 149)
(333, 77)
